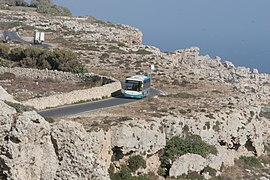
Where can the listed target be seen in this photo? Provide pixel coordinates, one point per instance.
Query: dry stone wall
(55, 75)
(74, 96)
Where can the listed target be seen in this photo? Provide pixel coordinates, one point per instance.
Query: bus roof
(138, 78)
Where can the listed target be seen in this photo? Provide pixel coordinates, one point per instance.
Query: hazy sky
(235, 30)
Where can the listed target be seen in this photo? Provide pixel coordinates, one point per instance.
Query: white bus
(137, 87)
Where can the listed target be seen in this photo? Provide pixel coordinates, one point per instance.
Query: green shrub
(177, 147)
(17, 54)
(47, 7)
(124, 118)
(135, 162)
(192, 175)
(161, 171)
(4, 7)
(125, 174)
(49, 119)
(54, 10)
(212, 172)
(4, 51)
(251, 161)
(59, 59)
(7, 75)
(14, 2)
(19, 107)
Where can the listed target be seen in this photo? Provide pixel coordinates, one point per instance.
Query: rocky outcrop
(32, 149)
(26, 149)
(4, 96)
(240, 130)
(187, 163)
(83, 29)
(136, 136)
(73, 149)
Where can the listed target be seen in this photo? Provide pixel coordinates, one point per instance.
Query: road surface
(90, 106)
(13, 36)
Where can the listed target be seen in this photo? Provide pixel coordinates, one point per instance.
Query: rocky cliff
(227, 107)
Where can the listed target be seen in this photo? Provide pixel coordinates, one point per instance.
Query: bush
(177, 147)
(125, 174)
(17, 54)
(7, 75)
(54, 10)
(251, 161)
(19, 107)
(4, 51)
(59, 59)
(135, 162)
(14, 2)
(49, 120)
(125, 118)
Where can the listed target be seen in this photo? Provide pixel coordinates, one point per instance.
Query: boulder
(4, 96)
(142, 137)
(228, 65)
(187, 163)
(26, 150)
(74, 153)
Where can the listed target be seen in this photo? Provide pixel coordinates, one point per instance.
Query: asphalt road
(13, 36)
(90, 106)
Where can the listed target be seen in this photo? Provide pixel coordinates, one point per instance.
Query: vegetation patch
(192, 175)
(50, 120)
(212, 172)
(251, 161)
(136, 162)
(19, 107)
(177, 147)
(124, 118)
(125, 174)
(7, 75)
(34, 57)
(181, 95)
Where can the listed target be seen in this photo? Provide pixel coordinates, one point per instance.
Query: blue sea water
(235, 30)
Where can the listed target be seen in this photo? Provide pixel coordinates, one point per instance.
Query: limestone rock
(146, 137)
(27, 151)
(6, 119)
(187, 163)
(4, 96)
(228, 65)
(73, 147)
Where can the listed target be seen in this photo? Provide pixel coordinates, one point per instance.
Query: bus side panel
(146, 92)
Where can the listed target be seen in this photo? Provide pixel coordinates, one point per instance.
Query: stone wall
(55, 75)
(74, 96)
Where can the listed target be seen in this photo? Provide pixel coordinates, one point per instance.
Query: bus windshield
(133, 85)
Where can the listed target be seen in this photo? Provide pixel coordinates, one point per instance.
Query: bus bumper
(139, 96)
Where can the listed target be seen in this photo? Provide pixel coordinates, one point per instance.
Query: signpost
(152, 68)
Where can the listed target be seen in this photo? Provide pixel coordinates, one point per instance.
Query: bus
(137, 87)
